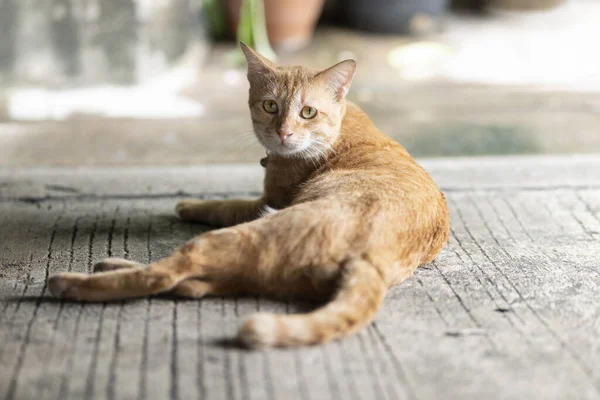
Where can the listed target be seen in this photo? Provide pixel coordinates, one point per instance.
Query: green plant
(216, 18)
(252, 29)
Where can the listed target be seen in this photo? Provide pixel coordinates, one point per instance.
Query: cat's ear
(257, 64)
(338, 78)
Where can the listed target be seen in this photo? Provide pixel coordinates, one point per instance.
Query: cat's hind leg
(190, 288)
(113, 285)
(197, 288)
(261, 254)
(113, 264)
(215, 256)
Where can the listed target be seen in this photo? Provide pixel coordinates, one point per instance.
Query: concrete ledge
(535, 172)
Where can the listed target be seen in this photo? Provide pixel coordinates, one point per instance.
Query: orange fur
(355, 215)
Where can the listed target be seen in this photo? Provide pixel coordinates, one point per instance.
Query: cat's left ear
(257, 64)
(339, 77)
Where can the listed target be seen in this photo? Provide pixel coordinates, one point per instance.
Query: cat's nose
(283, 135)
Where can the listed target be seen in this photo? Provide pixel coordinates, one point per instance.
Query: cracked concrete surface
(509, 309)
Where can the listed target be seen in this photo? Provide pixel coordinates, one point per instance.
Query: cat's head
(296, 111)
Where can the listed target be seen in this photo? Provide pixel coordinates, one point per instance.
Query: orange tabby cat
(346, 213)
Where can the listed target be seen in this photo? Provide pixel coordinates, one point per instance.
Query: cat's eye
(270, 106)
(308, 112)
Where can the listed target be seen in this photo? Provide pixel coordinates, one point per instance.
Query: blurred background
(161, 82)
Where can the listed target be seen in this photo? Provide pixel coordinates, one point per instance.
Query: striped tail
(354, 306)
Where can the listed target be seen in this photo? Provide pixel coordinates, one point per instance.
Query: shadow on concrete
(466, 139)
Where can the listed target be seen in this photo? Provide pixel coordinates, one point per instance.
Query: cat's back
(373, 181)
(363, 148)
(366, 161)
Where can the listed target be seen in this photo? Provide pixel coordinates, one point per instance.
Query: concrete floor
(508, 311)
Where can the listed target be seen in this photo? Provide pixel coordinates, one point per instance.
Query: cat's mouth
(287, 148)
(301, 148)
(290, 147)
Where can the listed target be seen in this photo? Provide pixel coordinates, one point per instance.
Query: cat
(346, 214)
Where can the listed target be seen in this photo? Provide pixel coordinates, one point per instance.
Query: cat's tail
(359, 295)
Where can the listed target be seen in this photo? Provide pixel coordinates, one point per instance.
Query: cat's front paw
(65, 285)
(186, 209)
(217, 213)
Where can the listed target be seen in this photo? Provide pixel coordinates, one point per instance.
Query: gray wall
(74, 42)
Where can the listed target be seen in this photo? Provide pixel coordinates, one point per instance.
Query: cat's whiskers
(249, 137)
(307, 155)
(314, 154)
(246, 134)
(322, 148)
(250, 146)
(245, 131)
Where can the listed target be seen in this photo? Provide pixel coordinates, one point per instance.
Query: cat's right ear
(257, 64)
